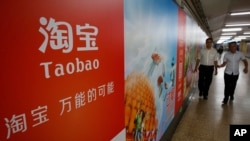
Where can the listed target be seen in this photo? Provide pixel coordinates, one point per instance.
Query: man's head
(232, 47)
(209, 42)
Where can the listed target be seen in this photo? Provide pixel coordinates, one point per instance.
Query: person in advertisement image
(139, 125)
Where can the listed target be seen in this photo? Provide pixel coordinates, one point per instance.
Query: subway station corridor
(209, 120)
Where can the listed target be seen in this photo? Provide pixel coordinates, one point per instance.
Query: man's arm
(245, 70)
(222, 65)
(196, 65)
(216, 63)
(215, 67)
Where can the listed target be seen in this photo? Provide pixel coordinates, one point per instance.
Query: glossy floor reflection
(209, 120)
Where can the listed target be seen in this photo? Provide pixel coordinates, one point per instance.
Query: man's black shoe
(224, 102)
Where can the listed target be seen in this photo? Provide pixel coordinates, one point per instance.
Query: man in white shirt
(231, 74)
(207, 63)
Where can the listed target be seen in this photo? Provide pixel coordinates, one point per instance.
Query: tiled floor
(209, 120)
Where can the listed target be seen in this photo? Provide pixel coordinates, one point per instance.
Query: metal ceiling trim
(195, 8)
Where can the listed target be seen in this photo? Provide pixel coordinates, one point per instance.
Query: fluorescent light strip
(229, 33)
(240, 13)
(231, 29)
(246, 33)
(230, 25)
(220, 41)
(225, 37)
(243, 36)
(238, 39)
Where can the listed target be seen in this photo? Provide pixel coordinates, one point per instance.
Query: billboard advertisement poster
(150, 67)
(62, 70)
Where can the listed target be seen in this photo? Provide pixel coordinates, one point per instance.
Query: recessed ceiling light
(240, 13)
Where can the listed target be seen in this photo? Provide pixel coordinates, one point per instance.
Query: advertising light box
(62, 70)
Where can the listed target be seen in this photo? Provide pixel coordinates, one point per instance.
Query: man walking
(207, 62)
(231, 74)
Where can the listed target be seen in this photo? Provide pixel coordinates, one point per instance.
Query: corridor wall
(161, 45)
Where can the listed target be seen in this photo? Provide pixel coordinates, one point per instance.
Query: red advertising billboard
(62, 70)
(181, 43)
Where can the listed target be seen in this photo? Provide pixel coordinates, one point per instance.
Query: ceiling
(213, 15)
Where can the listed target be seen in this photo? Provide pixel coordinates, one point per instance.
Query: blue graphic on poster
(150, 59)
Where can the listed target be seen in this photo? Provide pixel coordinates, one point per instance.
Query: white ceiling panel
(215, 14)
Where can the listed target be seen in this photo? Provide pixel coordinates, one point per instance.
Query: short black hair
(233, 42)
(209, 39)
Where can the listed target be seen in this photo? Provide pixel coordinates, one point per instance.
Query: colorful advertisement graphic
(62, 70)
(150, 67)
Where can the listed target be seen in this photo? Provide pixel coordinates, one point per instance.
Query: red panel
(72, 87)
(180, 59)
